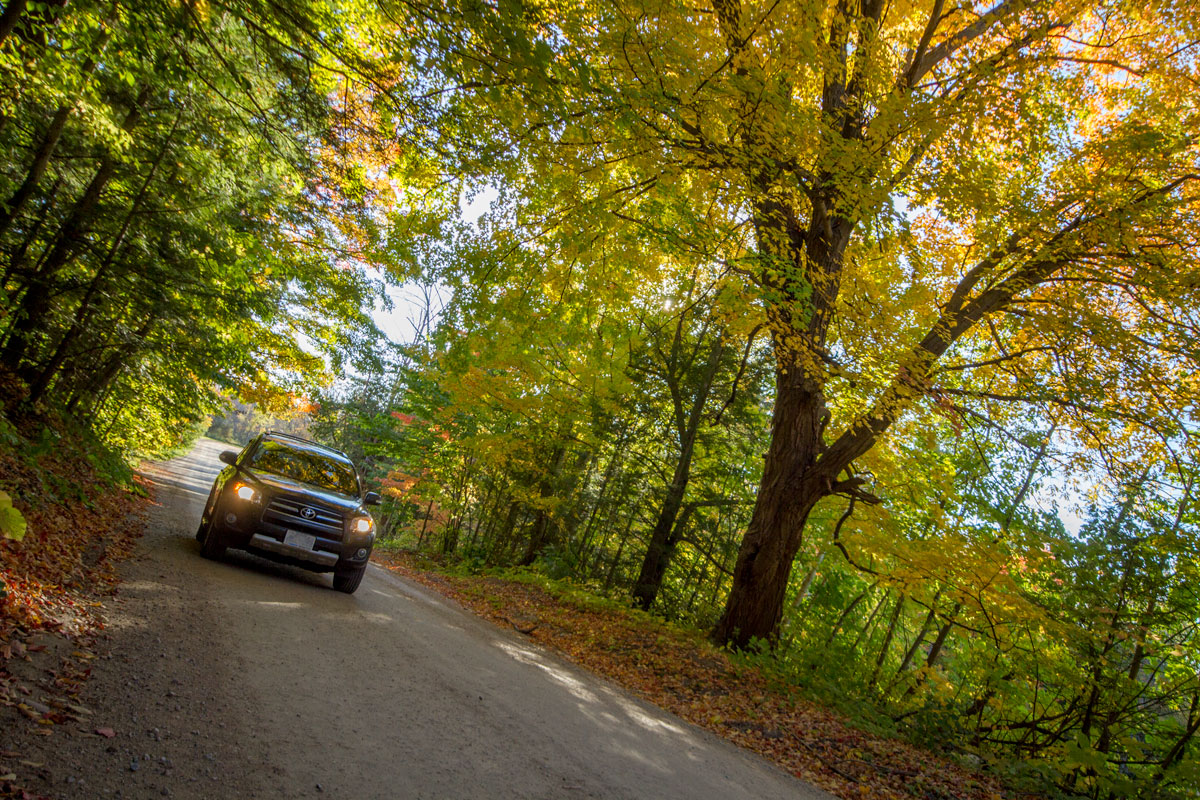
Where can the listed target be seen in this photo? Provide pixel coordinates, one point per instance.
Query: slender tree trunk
(687, 425)
(1180, 746)
(111, 368)
(917, 642)
(935, 649)
(806, 584)
(585, 541)
(501, 543)
(30, 317)
(425, 523)
(841, 620)
(19, 255)
(541, 532)
(866, 629)
(650, 579)
(612, 568)
(887, 642)
(46, 372)
(662, 541)
(41, 157)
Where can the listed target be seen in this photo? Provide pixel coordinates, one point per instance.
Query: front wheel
(348, 581)
(206, 517)
(212, 543)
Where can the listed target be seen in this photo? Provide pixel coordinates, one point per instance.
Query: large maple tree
(931, 201)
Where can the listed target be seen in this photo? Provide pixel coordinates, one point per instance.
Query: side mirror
(372, 499)
(229, 457)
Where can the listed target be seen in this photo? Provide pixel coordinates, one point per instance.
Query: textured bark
(791, 486)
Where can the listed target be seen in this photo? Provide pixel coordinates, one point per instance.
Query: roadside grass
(736, 697)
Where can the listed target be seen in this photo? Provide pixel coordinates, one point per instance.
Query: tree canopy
(860, 332)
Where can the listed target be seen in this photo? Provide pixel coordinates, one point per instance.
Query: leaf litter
(53, 584)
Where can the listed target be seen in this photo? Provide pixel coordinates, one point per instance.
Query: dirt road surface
(246, 679)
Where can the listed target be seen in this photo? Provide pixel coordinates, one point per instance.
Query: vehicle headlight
(362, 525)
(245, 491)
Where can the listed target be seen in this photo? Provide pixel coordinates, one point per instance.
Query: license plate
(298, 539)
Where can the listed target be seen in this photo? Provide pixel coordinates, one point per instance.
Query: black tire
(213, 544)
(348, 581)
(206, 517)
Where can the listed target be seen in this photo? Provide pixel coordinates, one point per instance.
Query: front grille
(289, 512)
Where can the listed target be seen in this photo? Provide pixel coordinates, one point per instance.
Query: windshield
(305, 466)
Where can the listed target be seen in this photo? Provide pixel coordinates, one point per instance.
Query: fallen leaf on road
(107, 733)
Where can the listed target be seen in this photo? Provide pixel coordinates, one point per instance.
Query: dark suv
(291, 500)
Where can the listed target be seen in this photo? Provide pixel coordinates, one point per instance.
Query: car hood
(280, 483)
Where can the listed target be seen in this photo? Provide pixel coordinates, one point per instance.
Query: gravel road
(248, 679)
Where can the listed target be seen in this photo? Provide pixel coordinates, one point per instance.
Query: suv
(292, 500)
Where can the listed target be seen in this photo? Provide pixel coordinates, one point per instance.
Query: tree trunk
(887, 642)
(806, 584)
(13, 10)
(1177, 749)
(503, 537)
(585, 541)
(662, 540)
(41, 158)
(111, 368)
(612, 568)
(46, 372)
(837, 626)
(650, 579)
(18, 256)
(791, 486)
(543, 529)
(687, 427)
(916, 645)
(30, 317)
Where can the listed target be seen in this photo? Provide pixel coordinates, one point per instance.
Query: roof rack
(309, 441)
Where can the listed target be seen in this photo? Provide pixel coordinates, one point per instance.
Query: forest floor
(681, 672)
(54, 586)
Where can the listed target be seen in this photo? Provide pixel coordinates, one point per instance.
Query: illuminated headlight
(362, 525)
(245, 491)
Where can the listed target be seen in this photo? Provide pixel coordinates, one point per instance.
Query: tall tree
(963, 187)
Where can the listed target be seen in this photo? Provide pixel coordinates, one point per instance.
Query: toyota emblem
(308, 513)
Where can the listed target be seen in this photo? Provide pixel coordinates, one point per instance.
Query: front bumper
(320, 557)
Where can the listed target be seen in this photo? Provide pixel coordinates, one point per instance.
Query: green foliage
(891, 292)
(12, 522)
(166, 230)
